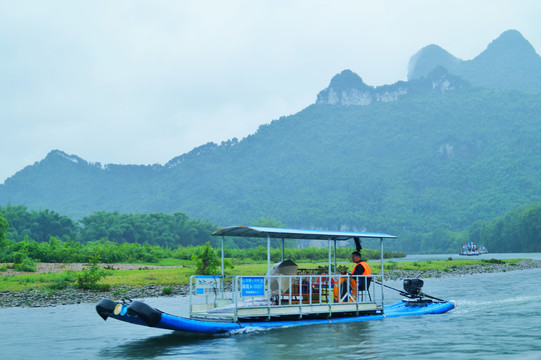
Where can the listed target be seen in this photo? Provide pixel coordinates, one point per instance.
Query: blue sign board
(252, 286)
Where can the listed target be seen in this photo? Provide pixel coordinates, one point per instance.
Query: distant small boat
(470, 249)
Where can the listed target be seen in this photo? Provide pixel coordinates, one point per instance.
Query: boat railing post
(290, 288)
(310, 288)
(335, 255)
(268, 272)
(279, 302)
(348, 287)
(329, 282)
(319, 286)
(358, 296)
(268, 291)
(190, 290)
(357, 279)
(235, 296)
(300, 289)
(268, 254)
(358, 291)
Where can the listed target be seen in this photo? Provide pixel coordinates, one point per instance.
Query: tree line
(154, 229)
(516, 231)
(131, 238)
(59, 251)
(51, 237)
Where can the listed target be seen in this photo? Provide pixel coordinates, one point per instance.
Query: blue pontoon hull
(143, 314)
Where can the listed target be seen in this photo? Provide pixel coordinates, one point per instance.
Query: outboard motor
(413, 288)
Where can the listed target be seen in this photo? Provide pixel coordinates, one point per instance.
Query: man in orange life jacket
(360, 268)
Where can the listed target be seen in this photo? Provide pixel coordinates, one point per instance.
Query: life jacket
(338, 289)
(353, 283)
(365, 266)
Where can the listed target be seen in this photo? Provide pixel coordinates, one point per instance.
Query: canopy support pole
(268, 253)
(223, 268)
(283, 248)
(381, 253)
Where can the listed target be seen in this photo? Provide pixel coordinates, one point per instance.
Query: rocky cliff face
(509, 62)
(347, 88)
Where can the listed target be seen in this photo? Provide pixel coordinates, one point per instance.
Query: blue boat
(285, 296)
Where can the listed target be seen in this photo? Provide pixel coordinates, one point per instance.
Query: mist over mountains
(460, 141)
(509, 62)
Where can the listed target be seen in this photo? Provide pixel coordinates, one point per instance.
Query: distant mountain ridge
(440, 154)
(509, 62)
(348, 88)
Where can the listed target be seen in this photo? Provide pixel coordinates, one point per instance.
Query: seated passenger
(360, 268)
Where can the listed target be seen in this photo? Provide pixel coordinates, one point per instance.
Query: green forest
(517, 231)
(153, 229)
(45, 236)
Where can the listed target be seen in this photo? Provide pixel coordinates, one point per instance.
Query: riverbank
(464, 270)
(73, 295)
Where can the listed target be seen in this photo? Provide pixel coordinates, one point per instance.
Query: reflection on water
(348, 340)
(156, 346)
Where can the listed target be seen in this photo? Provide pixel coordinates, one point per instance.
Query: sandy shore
(60, 267)
(73, 295)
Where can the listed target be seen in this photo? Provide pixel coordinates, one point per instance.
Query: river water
(498, 316)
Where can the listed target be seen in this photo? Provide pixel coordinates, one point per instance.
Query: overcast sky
(140, 82)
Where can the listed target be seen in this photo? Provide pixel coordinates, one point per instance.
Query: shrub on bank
(88, 278)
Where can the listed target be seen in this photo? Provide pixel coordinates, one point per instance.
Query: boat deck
(293, 300)
(292, 311)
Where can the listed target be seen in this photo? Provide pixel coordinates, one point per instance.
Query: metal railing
(300, 294)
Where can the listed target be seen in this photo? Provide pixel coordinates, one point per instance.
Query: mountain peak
(510, 44)
(510, 38)
(427, 59)
(345, 88)
(509, 62)
(347, 79)
(55, 154)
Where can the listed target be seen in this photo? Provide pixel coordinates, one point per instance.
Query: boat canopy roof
(279, 233)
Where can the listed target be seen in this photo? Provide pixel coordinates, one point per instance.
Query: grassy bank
(444, 265)
(180, 275)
